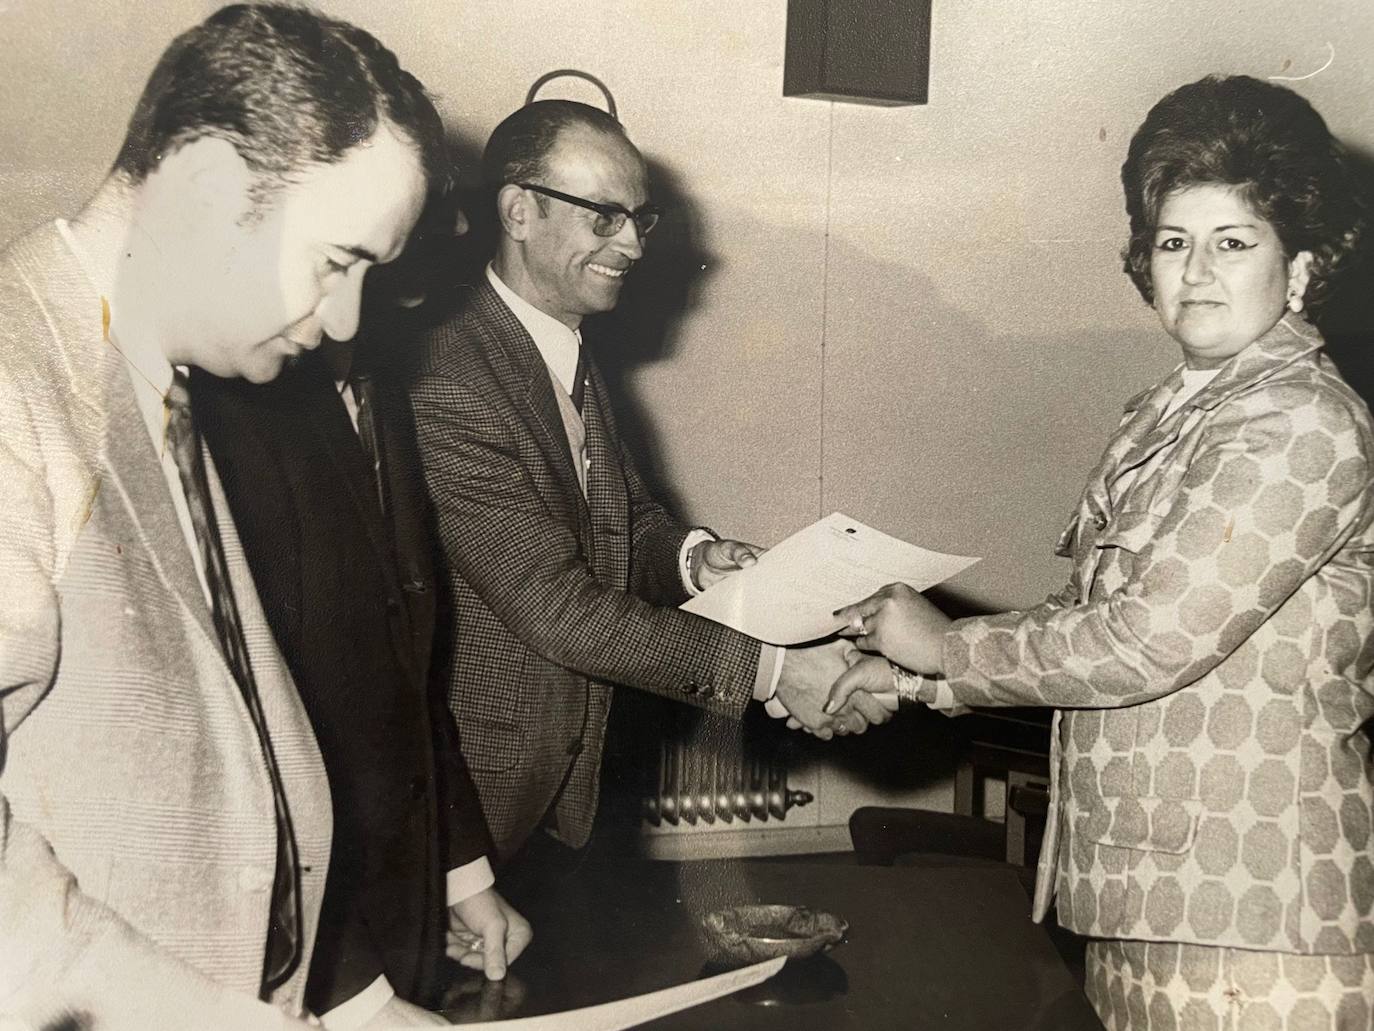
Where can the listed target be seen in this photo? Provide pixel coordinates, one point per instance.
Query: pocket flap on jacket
(488, 744)
(1131, 530)
(1147, 823)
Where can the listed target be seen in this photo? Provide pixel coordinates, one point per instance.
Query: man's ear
(208, 172)
(515, 210)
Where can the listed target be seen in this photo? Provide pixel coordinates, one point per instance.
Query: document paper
(789, 595)
(640, 1009)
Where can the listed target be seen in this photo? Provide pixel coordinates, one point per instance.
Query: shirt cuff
(770, 672)
(696, 535)
(358, 1010)
(467, 880)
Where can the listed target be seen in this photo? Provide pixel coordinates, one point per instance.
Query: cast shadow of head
(450, 245)
(645, 326)
(1347, 318)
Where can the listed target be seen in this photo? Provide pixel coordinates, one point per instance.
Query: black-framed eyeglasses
(610, 218)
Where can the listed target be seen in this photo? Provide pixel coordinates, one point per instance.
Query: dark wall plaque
(870, 51)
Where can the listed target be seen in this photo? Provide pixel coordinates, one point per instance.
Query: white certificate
(640, 1009)
(789, 595)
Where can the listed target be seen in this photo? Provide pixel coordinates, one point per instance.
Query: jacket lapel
(606, 493)
(107, 411)
(330, 419)
(135, 471)
(522, 371)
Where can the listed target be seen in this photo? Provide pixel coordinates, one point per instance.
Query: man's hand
(712, 561)
(807, 674)
(486, 933)
(399, 1013)
(900, 623)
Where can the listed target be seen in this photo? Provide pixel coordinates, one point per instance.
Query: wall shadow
(1347, 319)
(450, 245)
(644, 328)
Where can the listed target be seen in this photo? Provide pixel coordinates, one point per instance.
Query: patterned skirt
(1166, 986)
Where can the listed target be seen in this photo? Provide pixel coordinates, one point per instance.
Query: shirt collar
(557, 344)
(149, 370)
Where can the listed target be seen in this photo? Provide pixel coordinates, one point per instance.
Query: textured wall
(911, 314)
(73, 70)
(915, 315)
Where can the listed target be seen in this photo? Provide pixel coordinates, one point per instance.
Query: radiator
(708, 781)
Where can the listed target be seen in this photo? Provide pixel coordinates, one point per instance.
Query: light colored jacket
(137, 836)
(1211, 660)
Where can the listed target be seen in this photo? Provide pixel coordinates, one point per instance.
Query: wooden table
(950, 948)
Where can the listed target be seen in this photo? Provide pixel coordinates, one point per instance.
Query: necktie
(369, 432)
(284, 931)
(579, 387)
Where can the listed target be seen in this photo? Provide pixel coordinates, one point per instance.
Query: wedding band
(859, 628)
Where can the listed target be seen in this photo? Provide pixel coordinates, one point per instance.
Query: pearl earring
(1294, 302)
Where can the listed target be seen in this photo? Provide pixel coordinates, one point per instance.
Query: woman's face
(1221, 279)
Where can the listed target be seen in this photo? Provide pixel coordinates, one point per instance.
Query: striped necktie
(369, 432)
(284, 932)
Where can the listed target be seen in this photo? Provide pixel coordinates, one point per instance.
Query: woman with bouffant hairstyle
(1211, 659)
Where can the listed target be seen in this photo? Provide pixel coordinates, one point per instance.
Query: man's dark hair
(286, 86)
(1263, 138)
(519, 147)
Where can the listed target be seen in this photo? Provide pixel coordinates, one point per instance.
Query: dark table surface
(950, 948)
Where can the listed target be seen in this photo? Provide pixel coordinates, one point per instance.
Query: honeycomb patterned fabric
(1167, 986)
(1210, 661)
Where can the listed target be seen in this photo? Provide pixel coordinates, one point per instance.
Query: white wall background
(913, 314)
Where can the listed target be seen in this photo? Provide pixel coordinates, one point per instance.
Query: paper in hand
(640, 1009)
(789, 595)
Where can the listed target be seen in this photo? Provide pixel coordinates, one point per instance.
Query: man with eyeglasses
(564, 572)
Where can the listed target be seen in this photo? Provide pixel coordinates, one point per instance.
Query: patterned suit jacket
(137, 836)
(1211, 660)
(555, 597)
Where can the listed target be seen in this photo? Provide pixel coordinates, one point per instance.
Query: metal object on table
(750, 934)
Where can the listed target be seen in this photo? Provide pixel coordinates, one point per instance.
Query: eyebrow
(1217, 229)
(361, 253)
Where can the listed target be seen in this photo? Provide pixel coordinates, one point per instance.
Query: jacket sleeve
(1269, 497)
(64, 955)
(466, 837)
(524, 561)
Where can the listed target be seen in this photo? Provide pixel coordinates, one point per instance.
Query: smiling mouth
(607, 271)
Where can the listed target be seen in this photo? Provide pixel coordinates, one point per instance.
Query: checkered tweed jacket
(137, 835)
(1211, 660)
(554, 597)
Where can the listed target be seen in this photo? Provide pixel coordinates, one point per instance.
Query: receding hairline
(564, 139)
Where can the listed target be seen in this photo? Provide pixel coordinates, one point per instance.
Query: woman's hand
(899, 623)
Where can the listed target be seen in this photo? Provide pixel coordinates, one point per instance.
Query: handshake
(812, 673)
(845, 684)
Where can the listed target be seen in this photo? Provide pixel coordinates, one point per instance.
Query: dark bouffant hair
(286, 86)
(1263, 138)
